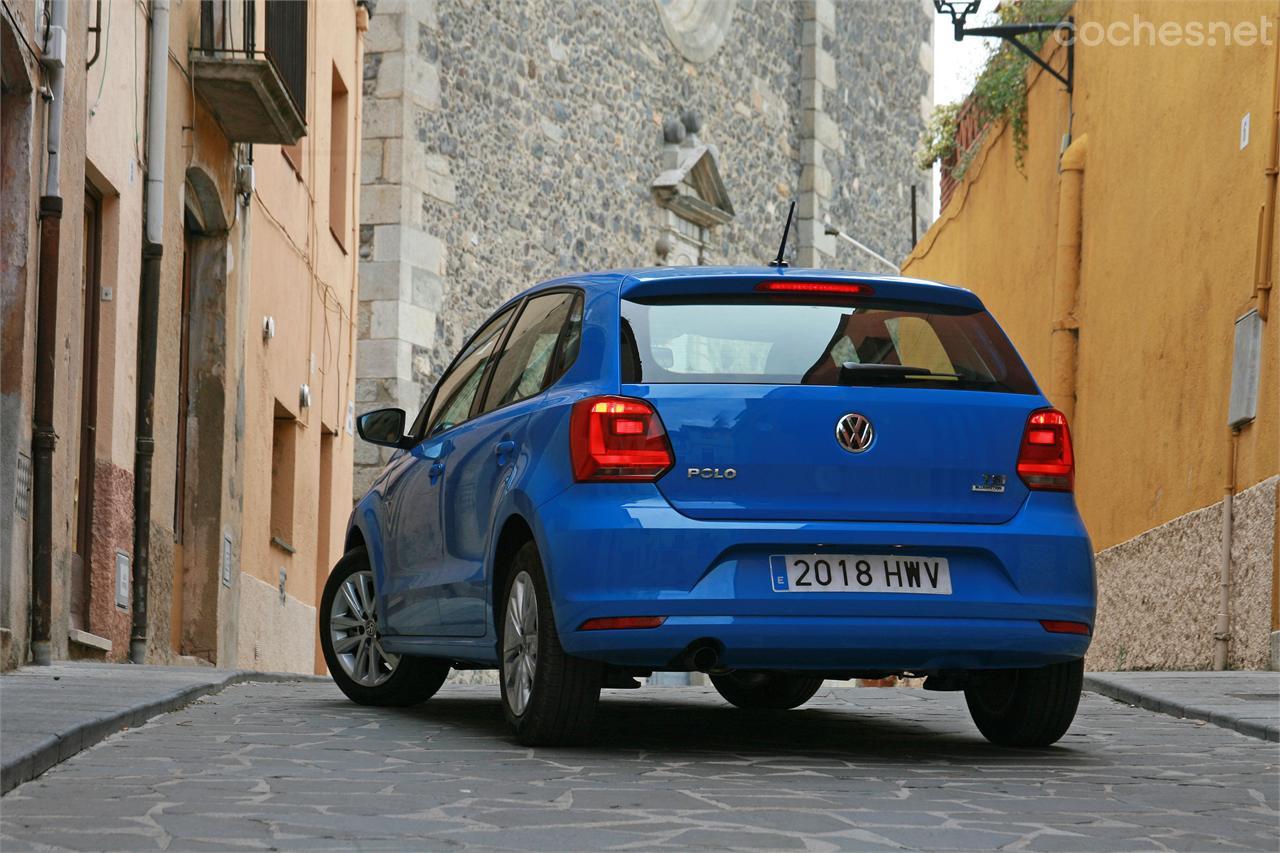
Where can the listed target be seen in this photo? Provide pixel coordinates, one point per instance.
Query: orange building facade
(205, 276)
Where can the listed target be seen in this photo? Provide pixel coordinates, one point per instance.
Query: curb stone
(1251, 727)
(57, 748)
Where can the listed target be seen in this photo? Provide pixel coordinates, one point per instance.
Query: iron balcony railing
(286, 39)
(287, 46)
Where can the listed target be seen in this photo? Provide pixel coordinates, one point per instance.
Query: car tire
(773, 691)
(549, 697)
(352, 647)
(1026, 707)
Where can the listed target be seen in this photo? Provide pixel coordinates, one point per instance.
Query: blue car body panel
(699, 553)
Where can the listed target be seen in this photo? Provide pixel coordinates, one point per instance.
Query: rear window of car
(785, 342)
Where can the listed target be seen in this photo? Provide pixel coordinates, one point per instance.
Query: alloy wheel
(520, 643)
(353, 628)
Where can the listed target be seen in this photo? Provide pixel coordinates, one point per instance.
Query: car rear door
(753, 389)
(489, 449)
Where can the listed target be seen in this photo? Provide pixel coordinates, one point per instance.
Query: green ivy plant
(938, 139)
(1000, 91)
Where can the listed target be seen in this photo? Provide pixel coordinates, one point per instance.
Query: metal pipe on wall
(1263, 280)
(1267, 216)
(148, 321)
(1064, 340)
(1222, 630)
(43, 436)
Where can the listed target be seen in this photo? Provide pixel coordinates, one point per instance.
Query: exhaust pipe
(704, 656)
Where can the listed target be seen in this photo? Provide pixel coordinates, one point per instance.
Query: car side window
(526, 365)
(456, 391)
(570, 340)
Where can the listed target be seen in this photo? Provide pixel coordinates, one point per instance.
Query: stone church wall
(506, 143)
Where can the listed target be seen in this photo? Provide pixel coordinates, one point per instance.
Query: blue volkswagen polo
(773, 476)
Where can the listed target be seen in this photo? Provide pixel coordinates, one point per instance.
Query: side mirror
(384, 427)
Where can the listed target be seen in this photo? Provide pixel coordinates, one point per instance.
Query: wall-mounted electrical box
(123, 575)
(226, 559)
(55, 49)
(246, 180)
(1245, 367)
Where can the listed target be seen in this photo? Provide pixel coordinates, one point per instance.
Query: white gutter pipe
(157, 101)
(55, 63)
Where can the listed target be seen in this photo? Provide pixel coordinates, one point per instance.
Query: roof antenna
(778, 261)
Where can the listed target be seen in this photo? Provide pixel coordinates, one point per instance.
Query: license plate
(860, 573)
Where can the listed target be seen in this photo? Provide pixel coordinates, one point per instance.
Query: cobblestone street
(296, 766)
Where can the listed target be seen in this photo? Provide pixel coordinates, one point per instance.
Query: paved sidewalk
(1246, 702)
(48, 714)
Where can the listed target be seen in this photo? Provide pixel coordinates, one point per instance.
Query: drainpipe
(1267, 216)
(148, 321)
(1222, 630)
(1263, 267)
(1064, 340)
(43, 436)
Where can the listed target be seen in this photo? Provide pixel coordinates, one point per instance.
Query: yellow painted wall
(1169, 217)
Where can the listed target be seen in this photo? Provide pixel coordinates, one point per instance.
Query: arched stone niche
(696, 28)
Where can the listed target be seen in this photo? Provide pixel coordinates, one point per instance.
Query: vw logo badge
(854, 432)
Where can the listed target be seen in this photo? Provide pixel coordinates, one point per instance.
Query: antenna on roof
(786, 232)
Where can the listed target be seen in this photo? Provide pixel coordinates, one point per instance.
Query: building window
(339, 173)
(284, 446)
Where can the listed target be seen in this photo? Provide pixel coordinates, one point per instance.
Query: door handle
(434, 472)
(502, 448)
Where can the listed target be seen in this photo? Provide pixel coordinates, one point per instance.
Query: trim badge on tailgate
(713, 473)
(993, 483)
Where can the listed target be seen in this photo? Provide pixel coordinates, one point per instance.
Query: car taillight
(839, 287)
(617, 438)
(1045, 461)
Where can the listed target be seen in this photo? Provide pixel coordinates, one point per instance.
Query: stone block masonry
(509, 144)
(402, 259)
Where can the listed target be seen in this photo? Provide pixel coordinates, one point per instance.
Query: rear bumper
(621, 550)
(836, 643)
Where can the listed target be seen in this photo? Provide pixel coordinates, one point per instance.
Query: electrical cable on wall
(22, 37)
(106, 59)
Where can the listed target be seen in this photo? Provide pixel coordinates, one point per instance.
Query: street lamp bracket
(960, 10)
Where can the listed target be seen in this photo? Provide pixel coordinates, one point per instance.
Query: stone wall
(1158, 592)
(508, 143)
(884, 67)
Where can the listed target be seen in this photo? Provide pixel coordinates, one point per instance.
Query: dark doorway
(86, 468)
(180, 448)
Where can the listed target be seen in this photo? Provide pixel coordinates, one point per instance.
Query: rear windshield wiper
(851, 373)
